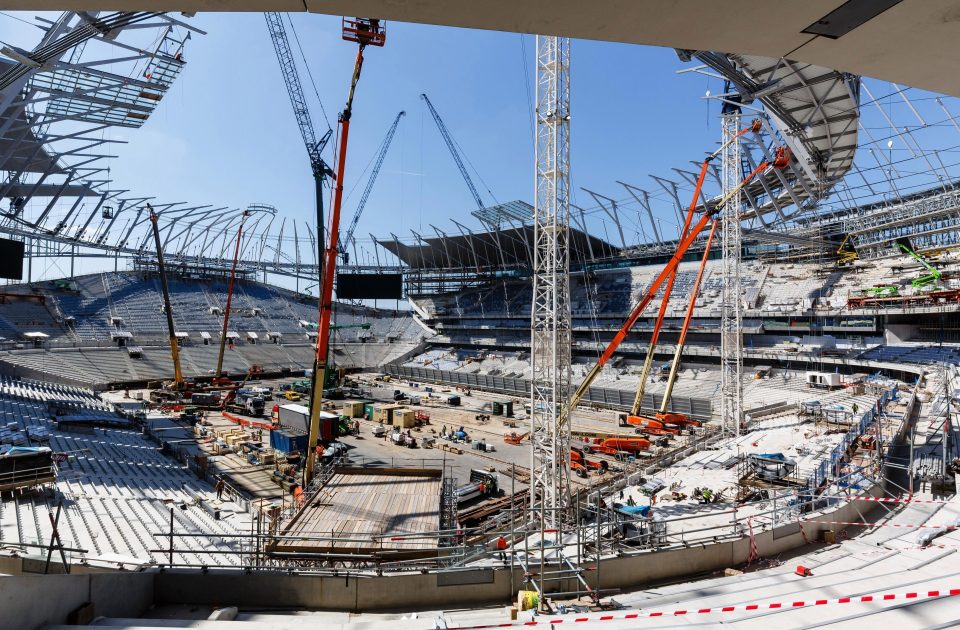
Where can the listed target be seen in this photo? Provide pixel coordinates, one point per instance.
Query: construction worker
(221, 485)
(502, 548)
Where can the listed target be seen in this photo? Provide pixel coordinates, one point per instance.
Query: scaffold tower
(731, 319)
(550, 316)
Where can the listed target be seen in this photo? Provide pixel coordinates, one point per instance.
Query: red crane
(365, 32)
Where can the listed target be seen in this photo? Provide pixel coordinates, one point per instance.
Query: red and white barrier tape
(548, 620)
(948, 528)
(885, 499)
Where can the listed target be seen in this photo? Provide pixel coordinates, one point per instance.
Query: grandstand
(90, 321)
(447, 461)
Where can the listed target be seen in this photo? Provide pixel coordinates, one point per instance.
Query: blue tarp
(7, 450)
(633, 510)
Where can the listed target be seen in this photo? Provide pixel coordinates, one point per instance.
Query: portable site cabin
(825, 380)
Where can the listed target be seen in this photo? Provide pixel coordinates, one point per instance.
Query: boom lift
(755, 127)
(381, 155)
(581, 465)
(365, 32)
(178, 383)
(218, 377)
(934, 274)
(781, 158)
(845, 255)
(663, 414)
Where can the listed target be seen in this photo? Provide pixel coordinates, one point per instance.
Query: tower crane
(365, 32)
(452, 146)
(314, 146)
(344, 243)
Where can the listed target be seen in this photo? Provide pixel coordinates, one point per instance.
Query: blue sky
(226, 135)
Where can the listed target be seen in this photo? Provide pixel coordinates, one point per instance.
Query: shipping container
(453, 401)
(293, 416)
(288, 440)
(353, 409)
(404, 418)
(368, 411)
(384, 413)
(497, 409)
(508, 408)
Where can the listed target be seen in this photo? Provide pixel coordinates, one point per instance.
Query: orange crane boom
(755, 127)
(780, 161)
(663, 414)
(364, 32)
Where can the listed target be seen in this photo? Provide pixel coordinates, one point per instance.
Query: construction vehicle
(780, 160)
(219, 376)
(846, 255)
(883, 290)
(482, 484)
(403, 438)
(648, 426)
(581, 465)
(515, 438)
(933, 276)
(244, 401)
(755, 127)
(178, 382)
(615, 446)
(364, 32)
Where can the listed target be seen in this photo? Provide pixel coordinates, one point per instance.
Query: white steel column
(731, 322)
(550, 316)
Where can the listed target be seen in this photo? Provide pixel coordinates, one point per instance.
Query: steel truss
(731, 319)
(550, 315)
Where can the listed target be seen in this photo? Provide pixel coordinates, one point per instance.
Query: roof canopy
(510, 247)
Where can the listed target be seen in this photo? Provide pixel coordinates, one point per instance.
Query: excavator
(933, 276)
(779, 161)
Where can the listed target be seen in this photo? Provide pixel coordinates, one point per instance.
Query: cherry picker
(779, 161)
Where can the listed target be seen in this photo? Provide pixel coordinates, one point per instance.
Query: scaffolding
(731, 319)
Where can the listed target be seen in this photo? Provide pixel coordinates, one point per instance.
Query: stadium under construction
(725, 392)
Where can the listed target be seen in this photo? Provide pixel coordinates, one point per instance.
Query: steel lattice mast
(550, 315)
(731, 321)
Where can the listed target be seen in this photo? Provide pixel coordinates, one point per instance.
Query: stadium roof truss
(94, 72)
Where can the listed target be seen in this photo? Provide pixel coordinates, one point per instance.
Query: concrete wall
(898, 333)
(34, 601)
